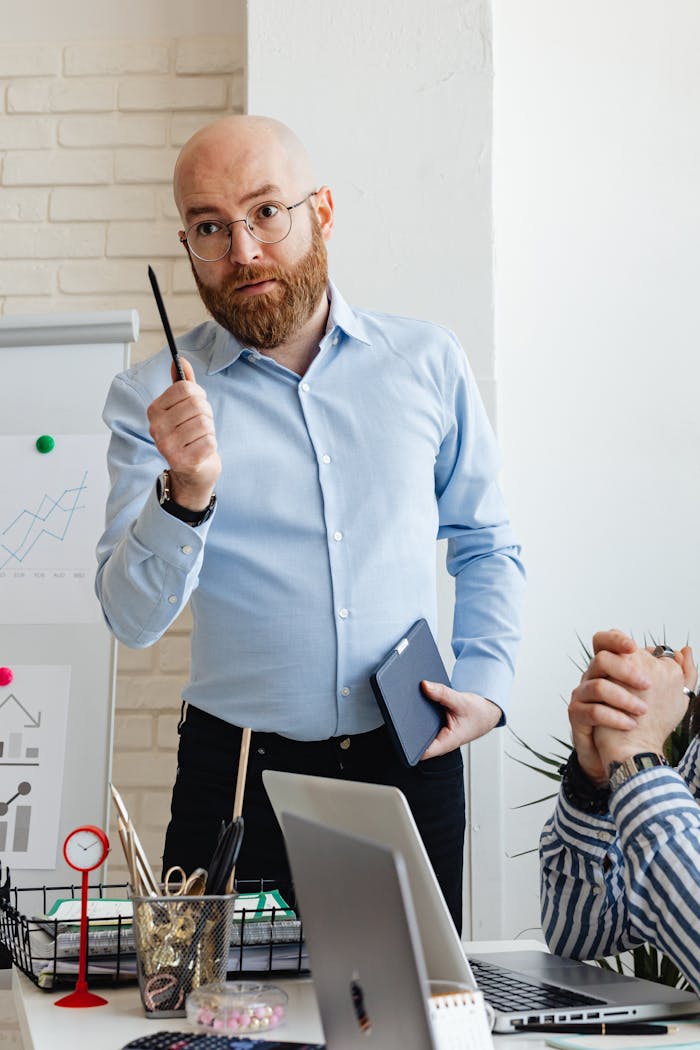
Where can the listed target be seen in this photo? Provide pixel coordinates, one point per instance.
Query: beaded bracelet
(580, 790)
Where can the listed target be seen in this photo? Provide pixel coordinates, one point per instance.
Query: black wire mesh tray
(266, 942)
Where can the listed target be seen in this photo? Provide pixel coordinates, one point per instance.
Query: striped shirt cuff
(590, 834)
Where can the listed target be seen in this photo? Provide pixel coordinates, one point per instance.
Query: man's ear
(323, 206)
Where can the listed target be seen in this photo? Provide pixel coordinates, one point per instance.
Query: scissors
(178, 884)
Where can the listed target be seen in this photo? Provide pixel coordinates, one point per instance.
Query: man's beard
(268, 319)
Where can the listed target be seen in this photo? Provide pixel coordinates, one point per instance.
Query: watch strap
(190, 517)
(622, 771)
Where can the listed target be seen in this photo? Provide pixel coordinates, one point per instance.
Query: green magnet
(45, 443)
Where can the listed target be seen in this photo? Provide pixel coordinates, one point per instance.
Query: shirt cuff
(174, 541)
(590, 834)
(486, 677)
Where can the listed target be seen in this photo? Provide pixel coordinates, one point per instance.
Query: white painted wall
(597, 224)
(393, 101)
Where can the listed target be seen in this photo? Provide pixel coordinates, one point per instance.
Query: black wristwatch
(190, 517)
(580, 790)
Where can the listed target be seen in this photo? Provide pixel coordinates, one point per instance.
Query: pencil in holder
(181, 944)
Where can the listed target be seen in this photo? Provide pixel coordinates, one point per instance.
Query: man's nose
(244, 247)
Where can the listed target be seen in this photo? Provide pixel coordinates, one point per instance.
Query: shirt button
(343, 614)
(305, 387)
(337, 536)
(172, 598)
(603, 835)
(345, 691)
(186, 549)
(325, 459)
(345, 743)
(334, 341)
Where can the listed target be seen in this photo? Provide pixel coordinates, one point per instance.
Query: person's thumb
(186, 368)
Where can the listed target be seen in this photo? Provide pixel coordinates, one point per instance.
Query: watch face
(86, 848)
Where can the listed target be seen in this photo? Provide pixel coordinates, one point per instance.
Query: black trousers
(205, 786)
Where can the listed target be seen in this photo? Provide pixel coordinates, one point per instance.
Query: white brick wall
(149, 684)
(88, 137)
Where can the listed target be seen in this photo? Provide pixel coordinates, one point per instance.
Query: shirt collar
(344, 317)
(225, 349)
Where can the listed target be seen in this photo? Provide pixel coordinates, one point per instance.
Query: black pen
(166, 323)
(614, 1028)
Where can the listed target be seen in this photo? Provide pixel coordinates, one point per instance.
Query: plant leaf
(543, 758)
(536, 769)
(535, 801)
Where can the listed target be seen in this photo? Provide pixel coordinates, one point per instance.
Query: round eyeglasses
(269, 223)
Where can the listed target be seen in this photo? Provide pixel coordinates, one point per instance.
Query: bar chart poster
(52, 505)
(33, 720)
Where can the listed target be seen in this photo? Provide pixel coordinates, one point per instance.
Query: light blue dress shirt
(321, 549)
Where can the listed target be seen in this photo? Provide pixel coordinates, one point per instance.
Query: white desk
(46, 1027)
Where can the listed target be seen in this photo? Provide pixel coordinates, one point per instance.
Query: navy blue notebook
(412, 720)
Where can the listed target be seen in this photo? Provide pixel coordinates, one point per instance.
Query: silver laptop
(523, 987)
(349, 889)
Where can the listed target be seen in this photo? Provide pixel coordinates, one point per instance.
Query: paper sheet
(33, 720)
(51, 516)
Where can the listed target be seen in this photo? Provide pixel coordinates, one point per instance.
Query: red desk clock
(85, 849)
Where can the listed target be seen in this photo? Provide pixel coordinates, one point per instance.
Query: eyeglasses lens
(268, 222)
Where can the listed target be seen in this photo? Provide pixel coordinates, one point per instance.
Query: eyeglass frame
(227, 225)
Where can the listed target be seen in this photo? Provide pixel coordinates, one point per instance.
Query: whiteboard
(57, 713)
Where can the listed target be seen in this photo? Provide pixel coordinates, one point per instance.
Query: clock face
(86, 848)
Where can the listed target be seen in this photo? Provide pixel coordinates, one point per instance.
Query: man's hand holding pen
(181, 423)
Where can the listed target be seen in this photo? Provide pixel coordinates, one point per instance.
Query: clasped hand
(627, 702)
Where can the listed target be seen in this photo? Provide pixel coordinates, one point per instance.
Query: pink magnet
(6, 676)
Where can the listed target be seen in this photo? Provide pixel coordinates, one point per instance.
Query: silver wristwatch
(622, 771)
(190, 517)
(164, 496)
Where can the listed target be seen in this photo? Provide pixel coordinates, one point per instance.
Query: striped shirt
(632, 876)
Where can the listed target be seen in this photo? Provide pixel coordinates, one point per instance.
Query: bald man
(291, 489)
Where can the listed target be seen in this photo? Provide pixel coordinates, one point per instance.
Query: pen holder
(181, 943)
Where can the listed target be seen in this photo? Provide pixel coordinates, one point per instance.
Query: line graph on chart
(51, 516)
(50, 520)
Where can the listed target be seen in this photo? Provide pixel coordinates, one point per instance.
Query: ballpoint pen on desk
(166, 323)
(602, 1028)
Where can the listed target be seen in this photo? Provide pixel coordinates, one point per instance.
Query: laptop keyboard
(508, 991)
